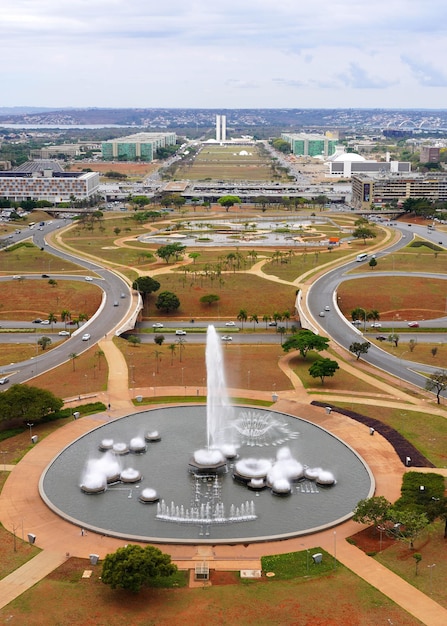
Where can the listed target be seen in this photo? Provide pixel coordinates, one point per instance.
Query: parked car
(157, 325)
(413, 324)
(88, 278)
(381, 338)
(376, 325)
(230, 324)
(227, 338)
(4, 380)
(85, 337)
(64, 333)
(180, 332)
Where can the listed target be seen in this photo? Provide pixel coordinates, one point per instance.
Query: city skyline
(256, 54)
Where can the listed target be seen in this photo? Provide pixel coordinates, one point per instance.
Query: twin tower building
(221, 127)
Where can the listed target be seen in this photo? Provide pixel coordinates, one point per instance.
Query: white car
(180, 332)
(17, 277)
(227, 338)
(327, 308)
(321, 314)
(376, 325)
(157, 325)
(64, 333)
(230, 324)
(86, 337)
(4, 380)
(45, 322)
(88, 278)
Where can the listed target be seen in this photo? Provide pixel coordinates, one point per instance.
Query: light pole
(30, 424)
(248, 379)
(335, 549)
(431, 576)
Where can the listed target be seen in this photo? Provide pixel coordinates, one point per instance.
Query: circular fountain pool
(194, 507)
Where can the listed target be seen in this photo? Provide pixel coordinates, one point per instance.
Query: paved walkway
(21, 505)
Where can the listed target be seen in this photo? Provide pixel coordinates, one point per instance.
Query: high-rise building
(138, 147)
(221, 128)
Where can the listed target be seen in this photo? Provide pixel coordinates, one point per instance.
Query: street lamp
(30, 424)
(335, 549)
(248, 379)
(431, 576)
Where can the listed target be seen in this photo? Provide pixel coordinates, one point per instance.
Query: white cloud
(234, 54)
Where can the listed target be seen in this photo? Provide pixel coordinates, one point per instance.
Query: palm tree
(99, 354)
(286, 317)
(73, 356)
(157, 354)
(242, 316)
(172, 347)
(266, 318)
(254, 319)
(52, 319)
(181, 347)
(65, 317)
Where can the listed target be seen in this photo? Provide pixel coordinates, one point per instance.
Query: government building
(310, 145)
(391, 188)
(138, 147)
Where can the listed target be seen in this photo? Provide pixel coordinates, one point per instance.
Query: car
(273, 323)
(45, 276)
(230, 324)
(180, 332)
(413, 324)
(357, 322)
(4, 380)
(227, 338)
(376, 325)
(17, 277)
(64, 333)
(327, 308)
(322, 314)
(381, 338)
(157, 325)
(37, 321)
(45, 322)
(89, 278)
(85, 337)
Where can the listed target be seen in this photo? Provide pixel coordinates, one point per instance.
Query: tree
(359, 348)
(52, 319)
(363, 232)
(437, 382)
(304, 341)
(209, 299)
(134, 340)
(171, 250)
(167, 302)
(52, 282)
(417, 556)
(254, 319)
(65, 316)
(194, 256)
(99, 354)
(44, 342)
(372, 511)
(73, 356)
(242, 316)
(321, 368)
(407, 525)
(28, 404)
(172, 347)
(372, 262)
(133, 567)
(159, 339)
(157, 354)
(229, 201)
(393, 338)
(145, 285)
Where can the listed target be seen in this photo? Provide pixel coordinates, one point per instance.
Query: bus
(362, 257)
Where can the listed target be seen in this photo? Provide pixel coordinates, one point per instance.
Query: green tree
(209, 299)
(73, 356)
(437, 382)
(373, 510)
(159, 339)
(242, 316)
(228, 201)
(28, 404)
(52, 319)
(133, 567)
(52, 282)
(99, 354)
(372, 263)
(359, 347)
(254, 319)
(407, 525)
(304, 341)
(322, 368)
(394, 338)
(194, 256)
(44, 342)
(145, 285)
(363, 232)
(167, 302)
(417, 556)
(65, 316)
(172, 347)
(134, 340)
(171, 250)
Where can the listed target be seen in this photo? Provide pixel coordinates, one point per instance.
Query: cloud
(358, 78)
(425, 73)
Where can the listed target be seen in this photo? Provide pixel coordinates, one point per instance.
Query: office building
(386, 189)
(310, 145)
(138, 147)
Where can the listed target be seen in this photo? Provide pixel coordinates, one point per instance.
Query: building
(429, 154)
(346, 164)
(303, 144)
(221, 128)
(391, 188)
(47, 181)
(138, 147)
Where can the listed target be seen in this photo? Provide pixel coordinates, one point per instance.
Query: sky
(228, 54)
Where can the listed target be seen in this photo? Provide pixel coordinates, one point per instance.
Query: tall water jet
(219, 412)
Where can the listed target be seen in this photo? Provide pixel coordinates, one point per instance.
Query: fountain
(201, 492)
